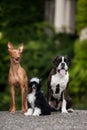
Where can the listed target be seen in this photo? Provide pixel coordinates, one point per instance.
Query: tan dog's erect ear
(21, 47)
(10, 46)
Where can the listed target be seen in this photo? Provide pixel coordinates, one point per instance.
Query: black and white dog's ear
(68, 60)
(55, 61)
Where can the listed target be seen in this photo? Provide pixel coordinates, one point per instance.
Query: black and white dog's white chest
(31, 99)
(59, 84)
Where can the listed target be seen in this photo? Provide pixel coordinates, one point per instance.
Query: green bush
(79, 73)
(81, 16)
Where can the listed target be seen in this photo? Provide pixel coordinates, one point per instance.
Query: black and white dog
(58, 81)
(37, 102)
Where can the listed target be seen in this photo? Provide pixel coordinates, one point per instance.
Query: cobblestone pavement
(56, 121)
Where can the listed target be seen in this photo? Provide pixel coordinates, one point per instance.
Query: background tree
(81, 17)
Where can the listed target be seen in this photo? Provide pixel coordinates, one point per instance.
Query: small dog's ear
(40, 81)
(55, 60)
(29, 83)
(10, 46)
(21, 47)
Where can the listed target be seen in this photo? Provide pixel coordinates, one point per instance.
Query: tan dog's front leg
(23, 99)
(26, 103)
(12, 92)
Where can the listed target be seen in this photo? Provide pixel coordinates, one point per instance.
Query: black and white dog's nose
(62, 65)
(34, 87)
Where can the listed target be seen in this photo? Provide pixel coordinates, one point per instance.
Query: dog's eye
(65, 60)
(59, 60)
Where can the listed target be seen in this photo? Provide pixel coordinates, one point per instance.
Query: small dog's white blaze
(37, 111)
(31, 99)
(29, 112)
(35, 80)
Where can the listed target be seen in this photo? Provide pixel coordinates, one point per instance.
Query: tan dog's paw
(12, 111)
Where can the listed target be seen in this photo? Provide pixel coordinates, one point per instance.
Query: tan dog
(17, 77)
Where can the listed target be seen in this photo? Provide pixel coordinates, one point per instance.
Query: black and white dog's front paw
(64, 111)
(29, 112)
(37, 111)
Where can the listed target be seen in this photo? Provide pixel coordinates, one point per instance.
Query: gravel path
(55, 121)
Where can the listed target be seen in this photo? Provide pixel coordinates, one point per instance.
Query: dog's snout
(62, 65)
(34, 87)
(17, 58)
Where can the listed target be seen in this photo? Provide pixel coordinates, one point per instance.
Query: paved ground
(56, 121)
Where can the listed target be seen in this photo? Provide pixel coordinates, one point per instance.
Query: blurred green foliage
(19, 17)
(81, 17)
(79, 73)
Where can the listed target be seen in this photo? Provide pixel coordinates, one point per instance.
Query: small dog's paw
(37, 111)
(26, 114)
(29, 112)
(35, 114)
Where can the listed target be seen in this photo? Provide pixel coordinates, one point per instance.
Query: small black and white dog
(37, 102)
(58, 81)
